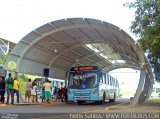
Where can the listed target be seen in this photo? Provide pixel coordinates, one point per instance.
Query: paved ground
(148, 106)
(60, 110)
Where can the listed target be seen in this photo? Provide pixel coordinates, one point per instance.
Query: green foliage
(3, 58)
(156, 100)
(147, 27)
(22, 86)
(126, 93)
(23, 78)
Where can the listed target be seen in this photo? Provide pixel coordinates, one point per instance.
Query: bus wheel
(104, 98)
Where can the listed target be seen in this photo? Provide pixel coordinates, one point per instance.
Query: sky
(20, 17)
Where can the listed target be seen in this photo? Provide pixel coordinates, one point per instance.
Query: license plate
(81, 97)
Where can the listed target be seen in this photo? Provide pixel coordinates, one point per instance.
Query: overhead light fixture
(55, 50)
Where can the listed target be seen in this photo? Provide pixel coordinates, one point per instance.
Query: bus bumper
(83, 98)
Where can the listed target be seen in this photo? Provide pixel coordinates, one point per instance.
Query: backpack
(10, 80)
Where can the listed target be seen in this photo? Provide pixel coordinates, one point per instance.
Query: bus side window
(101, 80)
(52, 83)
(104, 78)
(61, 84)
(116, 83)
(101, 77)
(113, 82)
(108, 79)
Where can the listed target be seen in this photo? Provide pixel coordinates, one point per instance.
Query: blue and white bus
(89, 83)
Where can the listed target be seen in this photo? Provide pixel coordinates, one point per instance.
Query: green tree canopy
(147, 27)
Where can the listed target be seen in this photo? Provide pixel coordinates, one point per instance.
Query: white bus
(55, 82)
(156, 91)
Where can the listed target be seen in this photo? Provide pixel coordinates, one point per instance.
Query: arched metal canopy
(64, 43)
(58, 45)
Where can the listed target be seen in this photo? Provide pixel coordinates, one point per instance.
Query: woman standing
(33, 91)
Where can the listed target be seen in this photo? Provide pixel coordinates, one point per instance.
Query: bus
(156, 91)
(89, 83)
(54, 82)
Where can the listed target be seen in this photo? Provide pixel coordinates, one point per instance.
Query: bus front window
(82, 80)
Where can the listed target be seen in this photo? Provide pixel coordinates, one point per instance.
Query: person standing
(16, 87)
(55, 93)
(9, 86)
(43, 94)
(2, 89)
(28, 90)
(48, 88)
(33, 91)
(65, 94)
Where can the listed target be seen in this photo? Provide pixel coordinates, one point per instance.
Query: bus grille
(81, 93)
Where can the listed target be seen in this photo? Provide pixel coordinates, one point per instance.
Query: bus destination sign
(82, 68)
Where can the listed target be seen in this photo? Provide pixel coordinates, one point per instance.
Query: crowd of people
(58, 94)
(11, 86)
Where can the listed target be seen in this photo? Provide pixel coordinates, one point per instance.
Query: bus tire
(104, 98)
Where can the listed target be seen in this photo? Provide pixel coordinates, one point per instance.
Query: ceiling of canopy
(65, 43)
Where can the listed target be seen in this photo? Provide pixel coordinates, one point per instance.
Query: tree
(147, 27)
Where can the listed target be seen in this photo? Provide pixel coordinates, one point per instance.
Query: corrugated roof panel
(32, 36)
(46, 28)
(61, 23)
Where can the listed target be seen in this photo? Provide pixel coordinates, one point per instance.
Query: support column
(144, 93)
(150, 89)
(139, 89)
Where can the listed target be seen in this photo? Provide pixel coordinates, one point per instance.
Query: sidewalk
(147, 107)
(21, 103)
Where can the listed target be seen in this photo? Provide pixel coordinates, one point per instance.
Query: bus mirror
(67, 72)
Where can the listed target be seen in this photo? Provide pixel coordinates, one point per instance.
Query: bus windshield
(82, 80)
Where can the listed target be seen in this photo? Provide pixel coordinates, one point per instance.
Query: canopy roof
(61, 44)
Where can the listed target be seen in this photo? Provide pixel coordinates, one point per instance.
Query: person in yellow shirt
(16, 88)
(47, 88)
